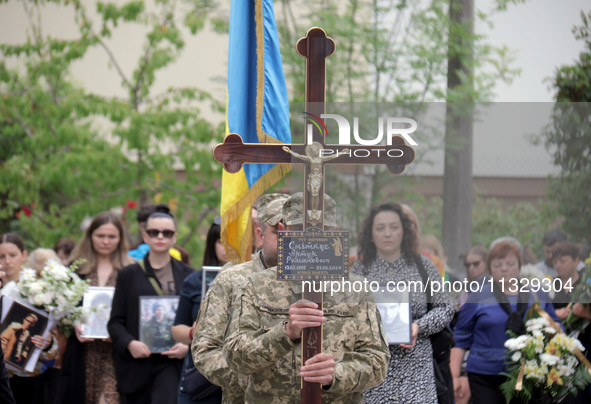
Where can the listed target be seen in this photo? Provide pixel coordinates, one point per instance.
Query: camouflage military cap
(271, 208)
(293, 209)
(264, 199)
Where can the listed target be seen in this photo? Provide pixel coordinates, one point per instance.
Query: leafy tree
(59, 167)
(568, 138)
(388, 51)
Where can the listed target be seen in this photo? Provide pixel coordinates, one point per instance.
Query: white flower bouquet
(544, 362)
(59, 292)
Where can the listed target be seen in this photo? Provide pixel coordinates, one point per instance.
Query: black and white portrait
(98, 300)
(394, 308)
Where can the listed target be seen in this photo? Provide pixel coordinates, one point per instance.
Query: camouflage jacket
(256, 343)
(214, 316)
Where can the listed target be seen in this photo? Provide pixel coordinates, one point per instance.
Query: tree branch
(23, 124)
(45, 117)
(113, 61)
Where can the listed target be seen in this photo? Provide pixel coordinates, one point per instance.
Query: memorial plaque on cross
(314, 154)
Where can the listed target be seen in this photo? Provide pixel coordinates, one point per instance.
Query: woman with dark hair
(63, 248)
(189, 304)
(140, 250)
(12, 256)
(24, 384)
(214, 254)
(484, 320)
(104, 249)
(143, 377)
(389, 251)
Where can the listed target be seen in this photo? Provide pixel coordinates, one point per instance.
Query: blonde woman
(104, 247)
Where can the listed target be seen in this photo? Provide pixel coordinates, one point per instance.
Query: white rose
(516, 356)
(35, 288)
(549, 330)
(38, 300)
(548, 359)
(511, 344)
(48, 297)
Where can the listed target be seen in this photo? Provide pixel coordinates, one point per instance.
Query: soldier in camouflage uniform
(263, 338)
(214, 315)
(156, 332)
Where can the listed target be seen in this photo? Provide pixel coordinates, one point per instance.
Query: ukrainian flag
(258, 110)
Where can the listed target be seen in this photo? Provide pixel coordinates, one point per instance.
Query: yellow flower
(553, 377)
(551, 348)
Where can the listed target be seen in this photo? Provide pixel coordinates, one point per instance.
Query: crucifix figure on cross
(315, 161)
(315, 154)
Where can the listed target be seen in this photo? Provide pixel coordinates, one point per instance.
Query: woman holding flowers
(483, 323)
(29, 386)
(104, 247)
(13, 258)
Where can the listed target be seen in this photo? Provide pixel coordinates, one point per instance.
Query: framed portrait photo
(157, 315)
(208, 275)
(20, 323)
(98, 299)
(394, 308)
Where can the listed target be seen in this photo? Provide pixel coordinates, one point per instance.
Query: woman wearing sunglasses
(143, 377)
(475, 263)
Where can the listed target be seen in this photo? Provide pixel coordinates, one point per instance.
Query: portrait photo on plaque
(20, 323)
(98, 299)
(157, 315)
(208, 275)
(394, 308)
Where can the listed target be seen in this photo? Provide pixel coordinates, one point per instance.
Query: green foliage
(59, 167)
(389, 51)
(568, 139)
(524, 221)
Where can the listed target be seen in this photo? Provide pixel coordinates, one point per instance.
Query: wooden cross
(315, 47)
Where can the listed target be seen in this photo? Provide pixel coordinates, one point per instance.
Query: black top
(132, 282)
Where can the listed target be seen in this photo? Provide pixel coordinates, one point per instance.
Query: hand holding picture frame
(99, 299)
(157, 315)
(20, 323)
(395, 310)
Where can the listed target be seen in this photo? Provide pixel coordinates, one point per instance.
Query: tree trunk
(457, 178)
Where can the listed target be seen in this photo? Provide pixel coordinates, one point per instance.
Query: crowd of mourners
(241, 341)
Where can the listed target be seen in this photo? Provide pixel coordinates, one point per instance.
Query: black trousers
(484, 389)
(5, 391)
(163, 388)
(443, 363)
